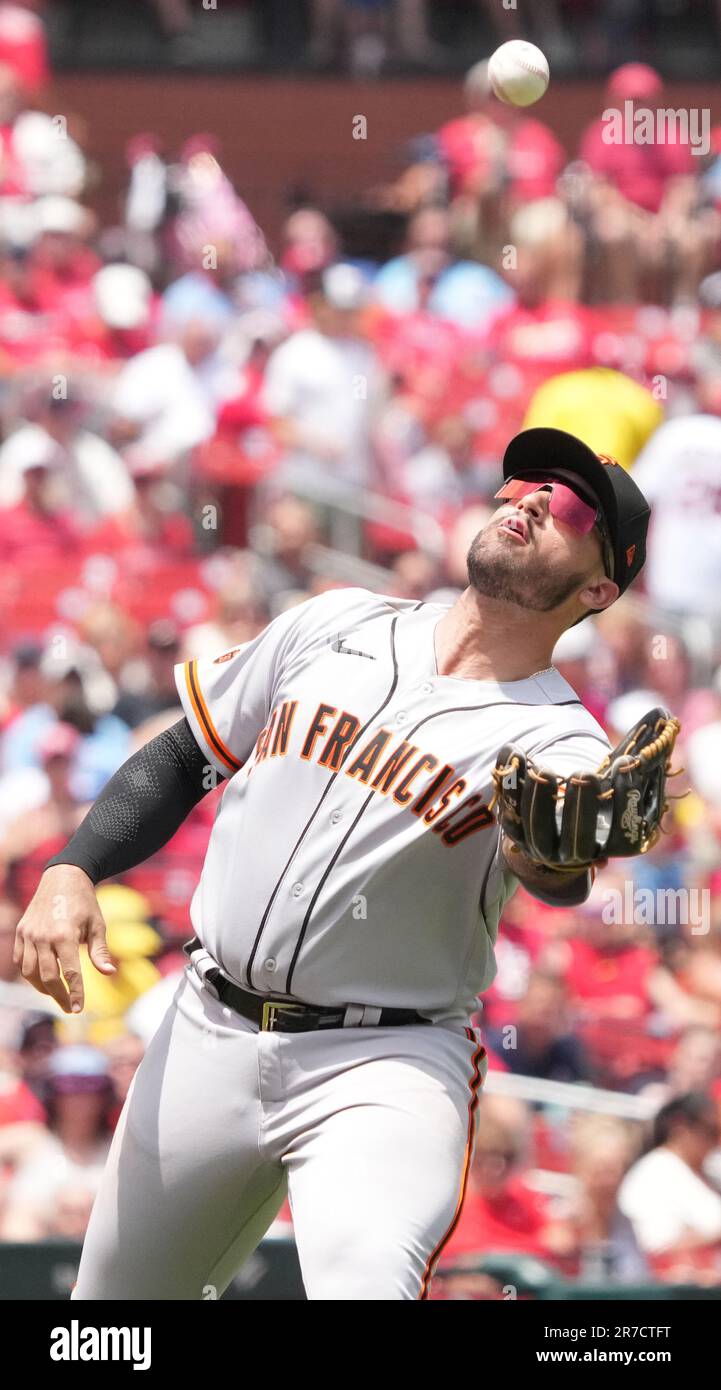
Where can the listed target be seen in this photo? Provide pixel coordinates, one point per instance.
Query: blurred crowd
(373, 37)
(200, 429)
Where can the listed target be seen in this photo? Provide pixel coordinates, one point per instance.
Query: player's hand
(63, 913)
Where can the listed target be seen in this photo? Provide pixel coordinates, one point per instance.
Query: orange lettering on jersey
(384, 780)
(403, 793)
(455, 790)
(282, 733)
(432, 790)
(265, 737)
(316, 728)
(363, 765)
(339, 738)
(440, 826)
(477, 820)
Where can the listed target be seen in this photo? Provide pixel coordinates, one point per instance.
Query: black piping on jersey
(319, 803)
(452, 709)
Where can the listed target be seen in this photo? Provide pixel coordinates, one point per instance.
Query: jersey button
(336, 816)
(401, 717)
(270, 964)
(297, 889)
(427, 689)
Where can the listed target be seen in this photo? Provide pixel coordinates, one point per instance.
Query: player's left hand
(568, 824)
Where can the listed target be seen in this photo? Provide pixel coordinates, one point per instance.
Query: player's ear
(601, 595)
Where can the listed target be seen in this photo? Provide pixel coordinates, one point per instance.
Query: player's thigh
(186, 1194)
(375, 1186)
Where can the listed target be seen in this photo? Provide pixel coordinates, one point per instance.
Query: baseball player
(366, 842)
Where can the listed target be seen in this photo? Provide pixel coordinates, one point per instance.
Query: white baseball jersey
(354, 858)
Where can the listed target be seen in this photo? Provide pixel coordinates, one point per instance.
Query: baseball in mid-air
(518, 72)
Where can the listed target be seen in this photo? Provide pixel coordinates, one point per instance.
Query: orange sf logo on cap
(607, 459)
(630, 554)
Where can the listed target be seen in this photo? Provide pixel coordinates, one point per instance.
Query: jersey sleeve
(227, 698)
(575, 750)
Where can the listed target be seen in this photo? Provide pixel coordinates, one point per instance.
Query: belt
(284, 1015)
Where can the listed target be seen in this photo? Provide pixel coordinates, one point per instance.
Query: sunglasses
(564, 505)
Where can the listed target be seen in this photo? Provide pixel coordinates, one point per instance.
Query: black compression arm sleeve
(141, 806)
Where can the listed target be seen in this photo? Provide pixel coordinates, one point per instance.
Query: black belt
(284, 1015)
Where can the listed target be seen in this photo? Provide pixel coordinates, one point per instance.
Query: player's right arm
(136, 813)
(226, 701)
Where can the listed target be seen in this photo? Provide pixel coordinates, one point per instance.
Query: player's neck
(481, 638)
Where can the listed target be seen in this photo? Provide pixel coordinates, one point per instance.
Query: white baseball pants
(369, 1130)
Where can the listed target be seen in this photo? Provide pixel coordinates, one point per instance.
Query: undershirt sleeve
(142, 805)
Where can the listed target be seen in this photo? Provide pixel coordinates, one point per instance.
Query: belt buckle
(272, 1008)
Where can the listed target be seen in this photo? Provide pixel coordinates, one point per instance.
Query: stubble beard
(496, 573)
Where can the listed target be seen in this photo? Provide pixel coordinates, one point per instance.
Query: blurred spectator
(445, 475)
(154, 525)
(322, 386)
(62, 263)
(23, 45)
(367, 32)
(38, 833)
(36, 164)
(674, 1208)
(694, 1065)
(606, 964)
(678, 472)
(78, 1098)
(309, 244)
(241, 612)
(28, 712)
(429, 276)
(37, 530)
(706, 349)
(495, 158)
(164, 399)
(541, 1042)
(124, 1052)
(642, 207)
(603, 1150)
(546, 330)
(282, 568)
(121, 321)
(638, 172)
(501, 1211)
(157, 691)
(85, 469)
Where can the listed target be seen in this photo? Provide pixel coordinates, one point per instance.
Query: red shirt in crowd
(23, 46)
(554, 336)
(530, 155)
(514, 1219)
(639, 172)
(31, 539)
(610, 981)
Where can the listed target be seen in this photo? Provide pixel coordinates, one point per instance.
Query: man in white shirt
(666, 1195)
(323, 384)
(679, 471)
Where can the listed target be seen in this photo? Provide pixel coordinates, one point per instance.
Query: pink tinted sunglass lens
(564, 504)
(572, 510)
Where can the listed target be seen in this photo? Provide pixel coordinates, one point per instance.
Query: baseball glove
(616, 811)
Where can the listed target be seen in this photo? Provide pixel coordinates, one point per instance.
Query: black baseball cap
(625, 510)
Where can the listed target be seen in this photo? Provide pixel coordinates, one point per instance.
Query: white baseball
(518, 72)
